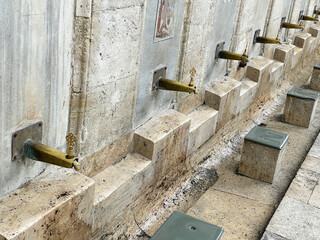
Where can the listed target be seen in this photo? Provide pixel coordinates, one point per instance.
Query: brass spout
(171, 85)
(233, 56)
(291, 25)
(43, 153)
(268, 40)
(308, 18)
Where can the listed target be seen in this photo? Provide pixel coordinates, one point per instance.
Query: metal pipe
(291, 25)
(171, 85)
(233, 56)
(308, 18)
(267, 40)
(43, 153)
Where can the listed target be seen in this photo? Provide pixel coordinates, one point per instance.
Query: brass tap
(291, 25)
(308, 18)
(316, 12)
(266, 40)
(43, 153)
(171, 85)
(233, 56)
(192, 73)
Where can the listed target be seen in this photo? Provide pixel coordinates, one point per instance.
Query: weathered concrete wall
(35, 50)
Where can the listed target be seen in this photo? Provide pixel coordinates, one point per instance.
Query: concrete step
(203, 126)
(119, 185)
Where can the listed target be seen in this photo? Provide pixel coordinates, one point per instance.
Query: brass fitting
(266, 40)
(43, 153)
(172, 85)
(308, 18)
(291, 25)
(233, 56)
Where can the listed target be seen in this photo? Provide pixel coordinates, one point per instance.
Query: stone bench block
(118, 186)
(312, 45)
(301, 39)
(223, 95)
(164, 140)
(284, 53)
(262, 154)
(297, 57)
(300, 106)
(315, 78)
(55, 205)
(247, 92)
(314, 31)
(258, 70)
(203, 126)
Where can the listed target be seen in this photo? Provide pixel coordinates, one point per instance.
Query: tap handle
(71, 142)
(192, 73)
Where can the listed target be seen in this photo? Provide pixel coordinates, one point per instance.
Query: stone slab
(118, 186)
(315, 149)
(311, 164)
(55, 205)
(295, 220)
(272, 236)
(303, 185)
(203, 126)
(315, 197)
(241, 218)
(222, 95)
(303, 94)
(236, 184)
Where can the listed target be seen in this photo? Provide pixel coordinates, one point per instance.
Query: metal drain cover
(180, 226)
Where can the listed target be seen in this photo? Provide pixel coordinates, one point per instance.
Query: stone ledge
(203, 126)
(247, 92)
(48, 206)
(118, 186)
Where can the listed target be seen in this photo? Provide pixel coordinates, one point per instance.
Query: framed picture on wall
(164, 28)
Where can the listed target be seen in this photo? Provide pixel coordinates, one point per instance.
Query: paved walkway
(244, 206)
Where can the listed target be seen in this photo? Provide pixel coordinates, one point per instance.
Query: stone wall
(35, 49)
(110, 64)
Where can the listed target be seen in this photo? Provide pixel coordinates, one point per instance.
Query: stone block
(164, 140)
(284, 53)
(301, 39)
(56, 205)
(315, 78)
(262, 154)
(203, 126)
(314, 31)
(300, 106)
(311, 164)
(118, 186)
(297, 57)
(223, 95)
(312, 45)
(247, 93)
(258, 70)
(315, 149)
(276, 75)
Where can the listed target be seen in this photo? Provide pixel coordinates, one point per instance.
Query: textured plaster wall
(35, 62)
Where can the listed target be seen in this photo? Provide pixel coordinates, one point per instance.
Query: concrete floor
(244, 206)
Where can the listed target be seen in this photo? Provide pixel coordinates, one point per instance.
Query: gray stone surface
(35, 50)
(295, 220)
(272, 236)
